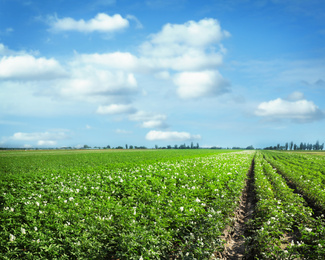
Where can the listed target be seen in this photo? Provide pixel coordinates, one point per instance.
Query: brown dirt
(235, 248)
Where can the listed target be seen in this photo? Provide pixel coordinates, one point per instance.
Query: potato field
(161, 204)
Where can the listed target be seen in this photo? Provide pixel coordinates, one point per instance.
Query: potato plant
(176, 208)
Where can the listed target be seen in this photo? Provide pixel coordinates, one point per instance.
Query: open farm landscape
(162, 130)
(161, 204)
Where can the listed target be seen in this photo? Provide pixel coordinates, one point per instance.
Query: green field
(159, 204)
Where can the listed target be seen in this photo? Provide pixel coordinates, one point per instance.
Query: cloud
(154, 124)
(200, 84)
(170, 136)
(48, 138)
(295, 96)
(205, 32)
(27, 67)
(89, 81)
(136, 20)
(40, 136)
(115, 60)
(146, 116)
(190, 46)
(149, 120)
(101, 23)
(46, 143)
(114, 109)
(300, 111)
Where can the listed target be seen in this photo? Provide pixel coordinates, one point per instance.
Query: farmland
(161, 204)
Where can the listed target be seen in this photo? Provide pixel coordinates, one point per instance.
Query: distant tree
(126, 146)
(86, 146)
(321, 147)
(250, 147)
(286, 146)
(169, 147)
(301, 146)
(131, 146)
(197, 146)
(156, 146)
(108, 147)
(291, 145)
(295, 147)
(309, 146)
(119, 147)
(175, 146)
(317, 145)
(192, 146)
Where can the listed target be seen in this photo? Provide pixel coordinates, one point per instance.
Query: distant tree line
(294, 147)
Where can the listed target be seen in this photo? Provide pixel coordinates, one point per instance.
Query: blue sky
(114, 72)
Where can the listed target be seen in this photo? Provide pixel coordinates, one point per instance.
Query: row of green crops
(143, 208)
(306, 172)
(283, 226)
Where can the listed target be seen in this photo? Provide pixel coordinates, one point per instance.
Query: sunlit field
(160, 204)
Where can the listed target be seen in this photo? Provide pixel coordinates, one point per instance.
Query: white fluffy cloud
(101, 23)
(30, 68)
(46, 143)
(202, 33)
(49, 138)
(154, 124)
(115, 60)
(114, 109)
(189, 46)
(89, 81)
(298, 110)
(200, 84)
(170, 136)
(149, 120)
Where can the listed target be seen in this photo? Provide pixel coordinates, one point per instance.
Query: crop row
(161, 210)
(283, 226)
(305, 172)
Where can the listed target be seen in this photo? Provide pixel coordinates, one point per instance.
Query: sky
(161, 72)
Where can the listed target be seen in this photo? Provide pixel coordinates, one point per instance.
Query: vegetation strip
(168, 209)
(283, 227)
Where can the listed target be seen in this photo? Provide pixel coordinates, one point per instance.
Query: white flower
(141, 258)
(198, 200)
(65, 201)
(181, 208)
(23, 231)
(308, 229)
(37, 203)
(38, 241)
(12, 238)
(71, 198)
(12, 209)
(35, 228)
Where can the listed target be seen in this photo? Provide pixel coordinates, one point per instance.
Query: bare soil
(235, 248)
